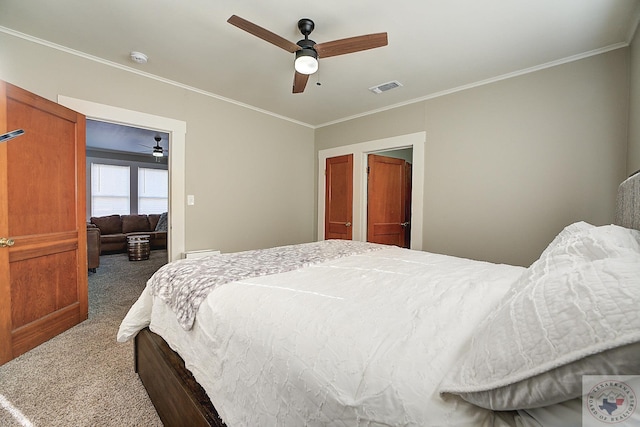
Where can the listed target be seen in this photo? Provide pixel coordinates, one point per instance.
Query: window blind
(109, 190)
(153, 191)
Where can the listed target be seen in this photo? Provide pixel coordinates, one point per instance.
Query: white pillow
(568, 233)
(574, 311)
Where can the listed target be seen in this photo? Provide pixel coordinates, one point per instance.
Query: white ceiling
(435, 46)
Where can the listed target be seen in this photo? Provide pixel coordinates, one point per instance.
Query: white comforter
(358, 341)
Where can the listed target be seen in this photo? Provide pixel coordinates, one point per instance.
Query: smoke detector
(385, 87)
(139, 57)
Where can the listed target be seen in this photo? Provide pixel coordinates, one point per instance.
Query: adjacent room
(334, 214)
(127, 191)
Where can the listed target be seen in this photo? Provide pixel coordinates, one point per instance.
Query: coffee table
(138, 247)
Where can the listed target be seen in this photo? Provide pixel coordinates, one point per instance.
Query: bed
(341, 333)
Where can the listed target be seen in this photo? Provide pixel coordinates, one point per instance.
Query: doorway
(177, 130)
(415, 142)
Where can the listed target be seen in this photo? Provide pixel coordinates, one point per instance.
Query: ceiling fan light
(157, 151)
(306, 61)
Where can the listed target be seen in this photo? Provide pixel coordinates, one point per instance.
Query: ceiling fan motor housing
(306, 44)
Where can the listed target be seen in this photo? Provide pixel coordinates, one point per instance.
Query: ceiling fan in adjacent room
(306, 50)
(158, 151)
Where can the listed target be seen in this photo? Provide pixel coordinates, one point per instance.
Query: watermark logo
(610, 400)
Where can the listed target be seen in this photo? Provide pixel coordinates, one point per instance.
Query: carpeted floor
(83, 377)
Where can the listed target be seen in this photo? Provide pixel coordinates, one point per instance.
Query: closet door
(388, 200)
(43, 256)
(338, 203)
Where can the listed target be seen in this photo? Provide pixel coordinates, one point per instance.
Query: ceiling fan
(158, 151)
(306, 50)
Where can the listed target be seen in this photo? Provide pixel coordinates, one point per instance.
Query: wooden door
(387, 201)
(43, 275)
(338, 213)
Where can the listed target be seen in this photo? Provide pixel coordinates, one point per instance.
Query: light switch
(191, 199)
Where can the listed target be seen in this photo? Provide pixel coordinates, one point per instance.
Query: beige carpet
(83, 377)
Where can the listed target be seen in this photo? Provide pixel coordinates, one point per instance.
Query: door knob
(348, 224)
(4, 242)
(405, 224)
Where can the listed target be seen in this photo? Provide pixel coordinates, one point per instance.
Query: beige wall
(633, 159)
(252, 184)
(508, 164)
(397, 121)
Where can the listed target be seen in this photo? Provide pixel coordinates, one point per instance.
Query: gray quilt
(184, 284)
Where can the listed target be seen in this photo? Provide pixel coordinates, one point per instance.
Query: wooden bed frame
(181, 401)
(176, 395)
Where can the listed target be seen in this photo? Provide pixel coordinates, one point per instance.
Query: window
(109, 190)
(126, 187)
(153, 191)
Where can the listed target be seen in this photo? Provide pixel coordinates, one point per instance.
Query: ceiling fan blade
(263, 33)
(300, 82)
(351, 45)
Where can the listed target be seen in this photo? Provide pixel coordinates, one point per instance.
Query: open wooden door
(387, 201)
(338, 213)
(43, 257)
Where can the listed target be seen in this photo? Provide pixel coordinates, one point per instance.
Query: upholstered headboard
(628, 203)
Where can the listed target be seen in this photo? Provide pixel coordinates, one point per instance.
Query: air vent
(385, 87)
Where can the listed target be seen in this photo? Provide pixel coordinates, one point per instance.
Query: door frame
(417, 142)
(177, 130)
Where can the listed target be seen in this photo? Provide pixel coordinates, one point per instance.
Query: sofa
(93, 247)
(114, 230)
